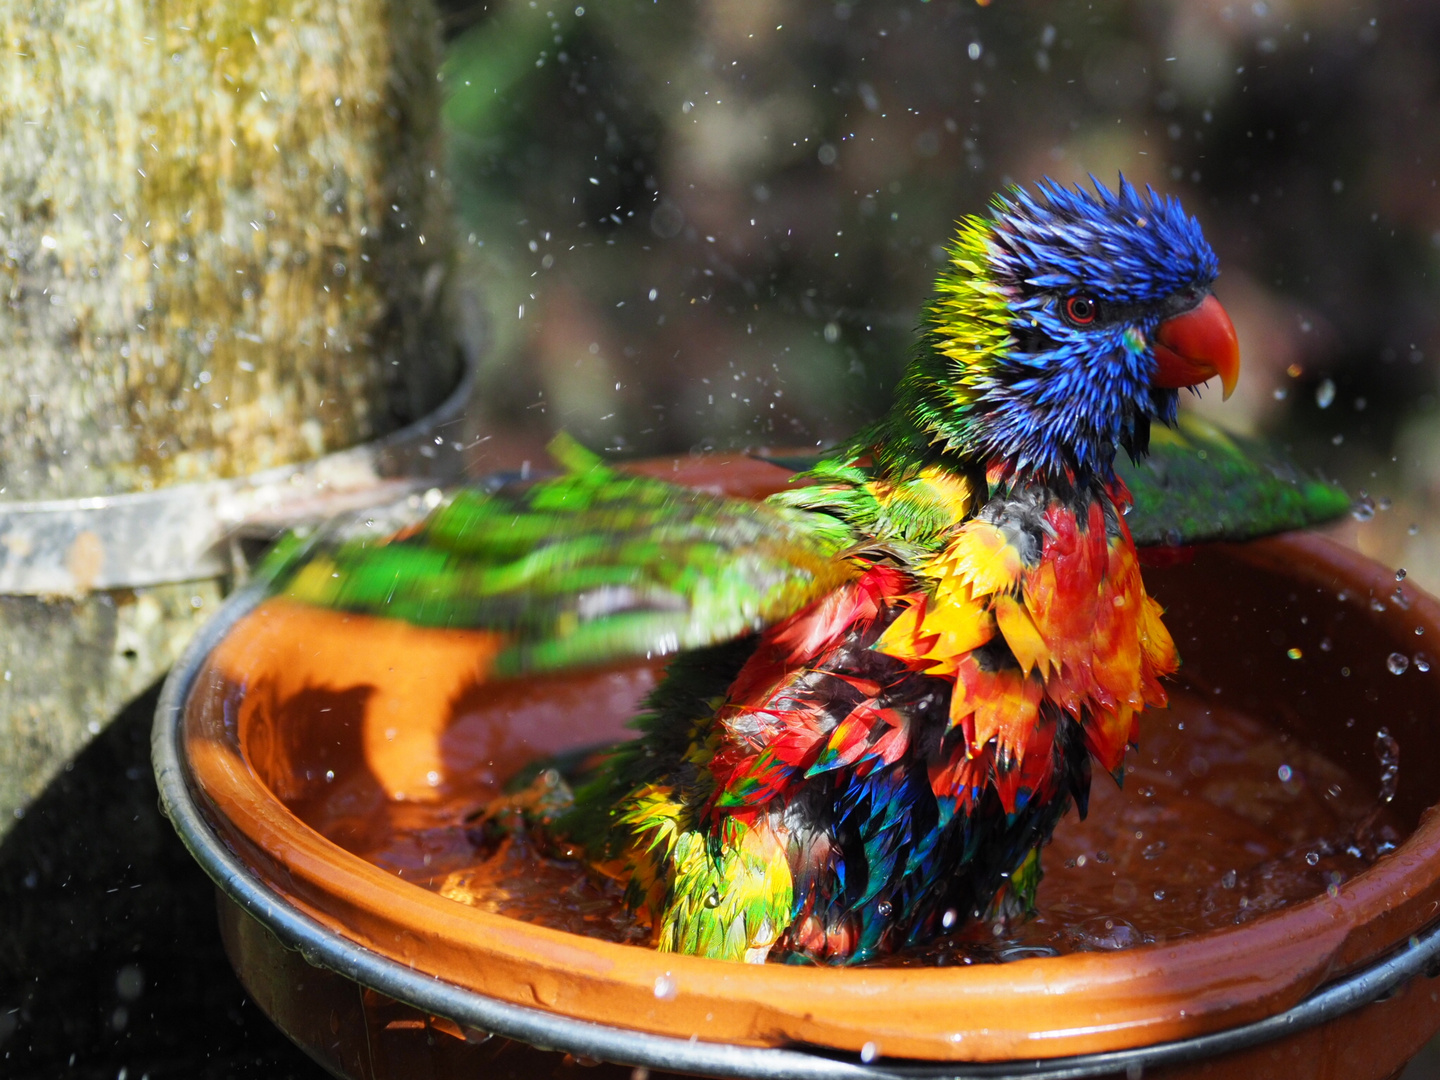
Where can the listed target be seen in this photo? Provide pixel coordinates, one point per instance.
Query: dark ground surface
(111, 965)
(110, 959)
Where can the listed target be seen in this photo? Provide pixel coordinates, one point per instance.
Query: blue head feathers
(1051, 360)
(1121, 247)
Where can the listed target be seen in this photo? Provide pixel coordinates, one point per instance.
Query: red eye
(1080, 310)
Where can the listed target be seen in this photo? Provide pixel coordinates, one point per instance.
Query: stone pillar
(224, 247)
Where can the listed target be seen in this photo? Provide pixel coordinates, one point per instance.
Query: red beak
(1197, 346)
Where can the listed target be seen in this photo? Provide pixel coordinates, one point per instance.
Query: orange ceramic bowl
(279, 703)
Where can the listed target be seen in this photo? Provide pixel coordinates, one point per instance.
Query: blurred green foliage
(711, 223)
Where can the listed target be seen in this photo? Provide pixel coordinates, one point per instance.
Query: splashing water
(1388, 751)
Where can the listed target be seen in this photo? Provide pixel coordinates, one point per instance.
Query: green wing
(1200, 484)
(590, 566)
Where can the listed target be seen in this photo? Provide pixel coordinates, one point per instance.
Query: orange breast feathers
(1072, 627)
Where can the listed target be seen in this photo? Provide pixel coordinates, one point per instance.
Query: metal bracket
(66, 547)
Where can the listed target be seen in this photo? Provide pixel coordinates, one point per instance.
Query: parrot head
(1063, 324)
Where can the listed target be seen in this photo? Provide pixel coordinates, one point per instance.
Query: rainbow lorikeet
(889, 682)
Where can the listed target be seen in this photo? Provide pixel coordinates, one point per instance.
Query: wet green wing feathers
(590, 566)
(1202, 484)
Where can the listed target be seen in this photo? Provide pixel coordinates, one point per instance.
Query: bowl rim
(326, 947)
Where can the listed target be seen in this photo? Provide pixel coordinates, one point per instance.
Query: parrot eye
(1080, 310)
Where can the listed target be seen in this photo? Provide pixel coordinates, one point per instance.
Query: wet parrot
(886, 684)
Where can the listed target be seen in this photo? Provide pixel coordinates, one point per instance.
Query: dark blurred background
(711, 224)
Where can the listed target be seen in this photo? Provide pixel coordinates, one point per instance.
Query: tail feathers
(730, 901)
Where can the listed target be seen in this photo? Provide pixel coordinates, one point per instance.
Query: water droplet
(1325, 393)
(1102, 856)
(1313, 858)
(1227, 879)
(1152, 851)
(1284, 772)
(665, 988)
(1422, 662)
(1364, 508)
(869, 1052)
(948, 919)
(712, 899)
(1159, 894)
(1388, 751)
(1397, 663)
(1400, 574)
(1080, 860)
(130, 982)
(1294, 653)
(885, 909)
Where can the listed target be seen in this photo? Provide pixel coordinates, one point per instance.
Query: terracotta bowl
(279, 707)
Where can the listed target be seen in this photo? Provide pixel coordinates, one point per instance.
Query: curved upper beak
(1196, 346)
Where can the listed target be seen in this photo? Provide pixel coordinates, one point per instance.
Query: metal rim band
(324, 948)
(177, 533)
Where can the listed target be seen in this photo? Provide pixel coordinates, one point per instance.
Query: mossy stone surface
(224, 246)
